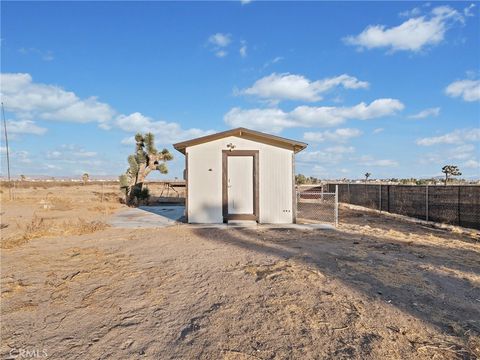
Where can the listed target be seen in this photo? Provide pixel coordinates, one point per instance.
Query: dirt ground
(375, 288)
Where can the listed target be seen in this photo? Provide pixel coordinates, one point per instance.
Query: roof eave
(278, 141)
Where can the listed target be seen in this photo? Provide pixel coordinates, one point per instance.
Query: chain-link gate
(315, 205)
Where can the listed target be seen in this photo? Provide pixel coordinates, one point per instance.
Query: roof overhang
(253, 135)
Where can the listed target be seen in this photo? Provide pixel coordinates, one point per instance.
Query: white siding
(205, 181)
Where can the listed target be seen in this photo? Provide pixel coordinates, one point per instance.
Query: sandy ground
(376, 288)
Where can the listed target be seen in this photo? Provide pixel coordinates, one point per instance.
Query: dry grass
(61, 204)
(40, 227)
(103, 209)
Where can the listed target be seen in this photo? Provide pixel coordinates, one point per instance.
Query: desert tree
(85, 178)
(367, 175)
(23, 178)
(300, 179)
(450, 170)
(145, 160)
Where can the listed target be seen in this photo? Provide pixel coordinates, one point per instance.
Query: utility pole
(8, 155)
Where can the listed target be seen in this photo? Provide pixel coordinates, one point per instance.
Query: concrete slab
(231, 225)
(148, 217)
(242, 223)
(168, 215)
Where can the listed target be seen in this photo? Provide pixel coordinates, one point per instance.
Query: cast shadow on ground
(172, 212)
(442, 299)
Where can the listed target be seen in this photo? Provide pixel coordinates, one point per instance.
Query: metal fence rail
(317, 206)
(456, 205)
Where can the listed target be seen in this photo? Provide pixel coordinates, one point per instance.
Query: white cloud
(328, 156)
(28, 99)
(24, 127)
(455, 137)
(370, 161)
(273, 61)
(219, 43)
(340, 149)
(275, 120)
(462, 152)
(271, 120)
(243, 49)
(221, 53)
(220, 40)
(411, 13)
(330, 116)
(44, 55)
(165, 132)
(472, 164)
(70, 153)
(414, 34)
(378, 130)
(338, 135)
(468, 10)
(296, 87)
(323, 157)
(426, 113)
(468, 89)
(245, 2)
(21, 156)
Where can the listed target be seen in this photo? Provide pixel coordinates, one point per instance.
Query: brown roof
(278, 141)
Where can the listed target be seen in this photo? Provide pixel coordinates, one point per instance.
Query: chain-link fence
(456, 205)
(317, 206)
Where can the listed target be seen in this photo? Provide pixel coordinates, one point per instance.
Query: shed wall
(205, 187)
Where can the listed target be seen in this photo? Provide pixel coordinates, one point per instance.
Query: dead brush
(40, 227)
(61, 204)
(104, 209)
(106, 196)
(81, 226)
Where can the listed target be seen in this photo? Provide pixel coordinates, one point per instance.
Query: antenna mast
(6, 144)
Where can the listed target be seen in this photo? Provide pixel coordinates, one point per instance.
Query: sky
(390, 88)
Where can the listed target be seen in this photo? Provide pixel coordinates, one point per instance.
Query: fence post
(426, 202)
(388, 198)
(380, 197)
(336, 205)
(458, 205)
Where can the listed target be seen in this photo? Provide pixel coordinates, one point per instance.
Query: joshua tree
(146, 159)
(450, 170)
(85, 178)
(367, 175)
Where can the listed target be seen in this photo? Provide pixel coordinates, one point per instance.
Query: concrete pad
(242, 223)
(148, 217)
(300, 226)
(235, 225)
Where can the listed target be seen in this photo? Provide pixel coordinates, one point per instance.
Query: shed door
(240, 185)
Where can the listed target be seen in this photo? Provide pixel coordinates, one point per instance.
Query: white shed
(240, 174)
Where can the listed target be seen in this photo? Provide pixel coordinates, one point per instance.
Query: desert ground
(377, 287)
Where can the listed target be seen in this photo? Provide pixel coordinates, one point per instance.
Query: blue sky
(392, 88)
